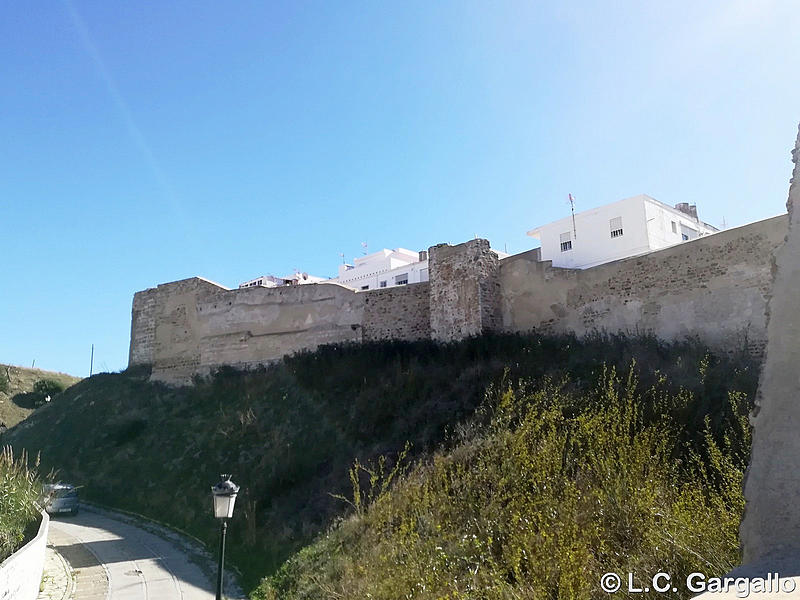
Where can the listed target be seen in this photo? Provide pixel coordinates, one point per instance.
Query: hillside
(15, 383)
(538, 500)
(290, 433)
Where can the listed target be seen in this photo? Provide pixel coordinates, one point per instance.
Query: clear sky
(144, 142)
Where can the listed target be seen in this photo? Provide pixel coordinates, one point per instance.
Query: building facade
(386, 268)
(271, 281)
(622, 229)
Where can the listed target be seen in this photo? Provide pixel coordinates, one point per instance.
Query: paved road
(114, 559)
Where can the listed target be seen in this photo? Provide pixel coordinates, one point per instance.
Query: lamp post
(224, 495)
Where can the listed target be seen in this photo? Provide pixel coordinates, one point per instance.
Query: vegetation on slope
(20, 489)
(550, 492)
(289, 433)
(18, 396)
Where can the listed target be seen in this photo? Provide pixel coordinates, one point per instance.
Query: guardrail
(21, 573)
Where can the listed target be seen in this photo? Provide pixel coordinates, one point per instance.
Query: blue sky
(148, 142)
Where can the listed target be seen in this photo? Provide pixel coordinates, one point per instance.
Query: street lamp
(224, 495)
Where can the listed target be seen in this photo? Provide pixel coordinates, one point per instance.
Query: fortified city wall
(770, 531)
(715, 287)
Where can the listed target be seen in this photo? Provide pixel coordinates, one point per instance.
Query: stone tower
(465, 290)
(770, 531)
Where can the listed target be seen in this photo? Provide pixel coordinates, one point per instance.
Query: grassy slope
(21, 381)
(290, 433)
(538, 500)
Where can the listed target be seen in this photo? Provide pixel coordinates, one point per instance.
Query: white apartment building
(385, 268)
(272, 281)
(618, 230)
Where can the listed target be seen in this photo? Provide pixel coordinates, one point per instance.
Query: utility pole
(91, 362)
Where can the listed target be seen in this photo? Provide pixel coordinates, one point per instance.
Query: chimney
(688, 209)
(423, 255)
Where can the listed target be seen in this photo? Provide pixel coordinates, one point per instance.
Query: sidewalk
(87, 581)
(58, 579)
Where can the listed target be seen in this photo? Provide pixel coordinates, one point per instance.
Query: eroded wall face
(771, 525)
(190, 326)
(464, 290)
(715, 288)
(397, 313)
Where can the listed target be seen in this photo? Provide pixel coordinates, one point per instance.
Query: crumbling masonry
(715, 288)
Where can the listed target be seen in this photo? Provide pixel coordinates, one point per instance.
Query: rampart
(770, 531)
(716, 288)
(397, 313)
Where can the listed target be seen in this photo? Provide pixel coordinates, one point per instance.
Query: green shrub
(554, 490)
(20, 489)
(48, 387)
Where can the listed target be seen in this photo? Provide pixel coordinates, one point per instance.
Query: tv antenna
(364, 245)
(572, 208)
(342, 255)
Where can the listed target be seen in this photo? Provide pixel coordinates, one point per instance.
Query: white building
(625, 228)
(385, 268)
(272, 281)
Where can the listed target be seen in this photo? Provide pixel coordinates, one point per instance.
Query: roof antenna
(572, 207)
(364, 246)
(342, 255)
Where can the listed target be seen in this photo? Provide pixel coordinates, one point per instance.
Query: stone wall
(399, 313)
(715, 287)
(770, 531)
(188, 327)
(465, 290)
(21, 573)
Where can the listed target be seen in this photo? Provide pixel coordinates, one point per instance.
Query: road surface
(114, 558)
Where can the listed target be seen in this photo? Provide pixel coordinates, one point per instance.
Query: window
(423, 274)
(364, 287)
(383, 284)
(674, 227)
(687, 233)
(616, 227)
(566, 241)
(401, 279)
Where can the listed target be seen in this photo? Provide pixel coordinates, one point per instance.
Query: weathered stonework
(715, 288)
(770, 531)
(397, 313)
(465, 290)
(188, 327)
